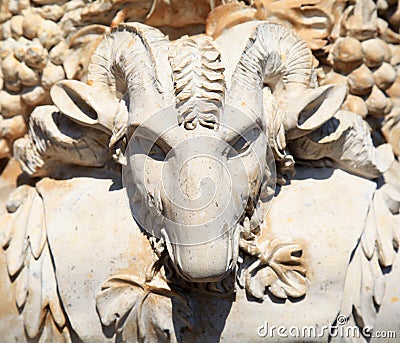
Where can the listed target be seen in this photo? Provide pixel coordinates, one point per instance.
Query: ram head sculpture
(199, 126)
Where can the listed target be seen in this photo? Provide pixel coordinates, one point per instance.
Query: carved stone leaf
(361, 284)
(36, 231)
(353, 280)
(33, 314)
(280, 270)
(29, 262)
(365, 310)
(49, 287)
(16, 253)
(142, 312)
(387, 232)
(379, 281)
(6, 230)
(365, 283)
(381, 232)
(152, 322)
(42, 305)
(52, 333)
(228, 15)
(311, 19)
(294, 286)
(368, 237)
(117, 298)
(257, 284)
(21, 287)
(289, 269)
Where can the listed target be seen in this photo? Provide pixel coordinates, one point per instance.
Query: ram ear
(87, 105)
(307, 110)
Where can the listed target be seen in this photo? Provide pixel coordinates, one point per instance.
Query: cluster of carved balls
(34, 52)
(369, 69)
(365, 56)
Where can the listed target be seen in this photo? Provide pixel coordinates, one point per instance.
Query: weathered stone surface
(98, 246)
(11, 325)
(183, 187)
(293, 214)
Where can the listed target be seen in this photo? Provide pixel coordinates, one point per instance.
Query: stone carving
(161, 200)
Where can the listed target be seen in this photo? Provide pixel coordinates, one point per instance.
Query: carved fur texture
(198, 80)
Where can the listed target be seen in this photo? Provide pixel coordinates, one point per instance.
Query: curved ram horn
(129, 78)
(275, 56)
(132, 64)
(271, 54)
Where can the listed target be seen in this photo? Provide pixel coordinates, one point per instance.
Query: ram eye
(153, 150)
(156, 153)
(242, 143)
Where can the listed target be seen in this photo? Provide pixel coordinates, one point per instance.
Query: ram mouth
(209, 261)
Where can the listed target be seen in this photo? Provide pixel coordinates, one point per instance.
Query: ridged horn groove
(132, 64)
(274, 53)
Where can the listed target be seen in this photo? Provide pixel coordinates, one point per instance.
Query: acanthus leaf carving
(141, 311)
(374, 253)
(278, 268)
(30, 266)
